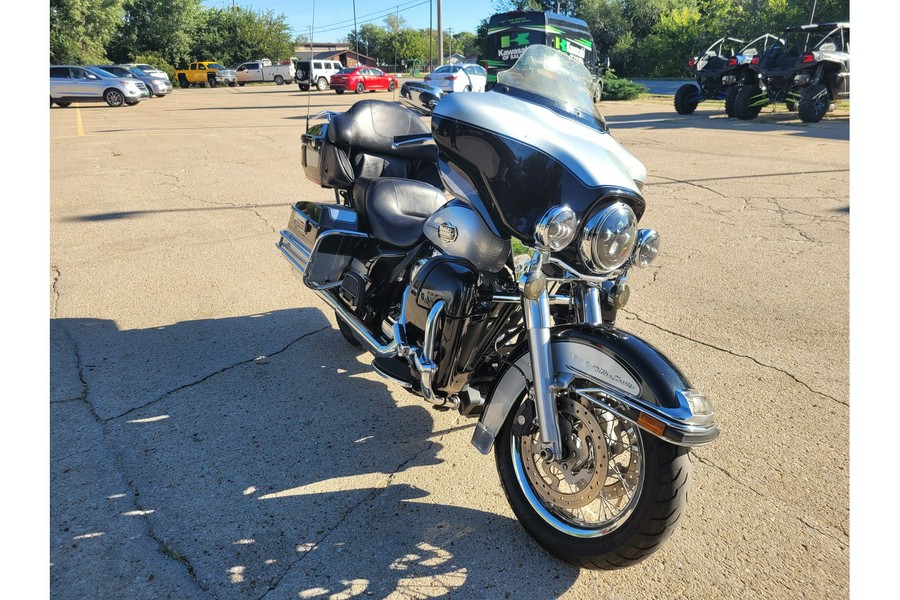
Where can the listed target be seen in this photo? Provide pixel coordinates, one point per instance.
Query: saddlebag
(318, 242)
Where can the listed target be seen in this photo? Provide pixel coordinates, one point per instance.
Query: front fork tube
(536, 306)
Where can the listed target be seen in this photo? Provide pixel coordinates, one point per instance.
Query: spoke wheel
(597, 485)
(114, 98)
(615, 496)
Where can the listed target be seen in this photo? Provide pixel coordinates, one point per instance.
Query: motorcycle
(482, 264)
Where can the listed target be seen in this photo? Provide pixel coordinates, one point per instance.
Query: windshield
(102, 73)
(554, 76)
(216, 66)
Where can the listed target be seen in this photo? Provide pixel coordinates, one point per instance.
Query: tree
(165, 27)
(236, 35)
(81, 29)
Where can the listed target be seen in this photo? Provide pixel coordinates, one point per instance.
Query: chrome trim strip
(682, 434)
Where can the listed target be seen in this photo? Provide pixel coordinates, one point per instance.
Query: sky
(334, 18)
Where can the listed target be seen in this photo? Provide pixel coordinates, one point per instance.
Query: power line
(375, 15)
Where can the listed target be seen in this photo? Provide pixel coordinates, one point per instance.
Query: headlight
(608, 238)
(645, 248)
(556, 229)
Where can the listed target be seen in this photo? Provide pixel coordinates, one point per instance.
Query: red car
(361, 79)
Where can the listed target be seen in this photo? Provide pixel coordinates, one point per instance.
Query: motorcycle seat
(396, 209)
(370, 126)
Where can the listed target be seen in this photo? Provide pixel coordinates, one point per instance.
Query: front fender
(643, 384)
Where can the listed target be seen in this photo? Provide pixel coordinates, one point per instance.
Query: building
(333, 51)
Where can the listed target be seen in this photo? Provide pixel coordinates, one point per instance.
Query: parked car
(808, 71)
(724, 65)
(459, 77)
(316, 72)
(78, 83)
(155, 86)
(362, 79)
(149, 69)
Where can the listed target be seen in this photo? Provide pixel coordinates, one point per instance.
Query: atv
(718, 70)
(808, 70)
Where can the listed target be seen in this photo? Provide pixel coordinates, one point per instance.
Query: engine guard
(632, 376)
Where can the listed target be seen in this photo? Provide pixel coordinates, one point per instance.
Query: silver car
(155, 85)
(78, 83)
(149, 70)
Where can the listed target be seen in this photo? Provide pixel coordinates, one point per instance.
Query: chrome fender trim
(629, 374)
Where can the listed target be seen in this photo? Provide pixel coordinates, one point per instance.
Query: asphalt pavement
(212, 435)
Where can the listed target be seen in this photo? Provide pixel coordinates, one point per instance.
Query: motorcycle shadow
(265, 454)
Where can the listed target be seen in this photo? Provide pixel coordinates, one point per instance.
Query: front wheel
(212, 82)
(392, 86)
(686, 99)
(114, 98)
(614, 498)
(814, 103)
(748, 101)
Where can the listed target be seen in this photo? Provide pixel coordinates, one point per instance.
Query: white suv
(322, 70)
(77, 83)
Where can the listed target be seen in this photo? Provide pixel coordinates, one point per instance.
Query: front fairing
(514, 152)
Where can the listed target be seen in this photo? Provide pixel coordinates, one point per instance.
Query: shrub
(617, 88)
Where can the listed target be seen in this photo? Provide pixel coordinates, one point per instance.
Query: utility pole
(440, 29)
(450, 52)
(430, 36)
(355, 32)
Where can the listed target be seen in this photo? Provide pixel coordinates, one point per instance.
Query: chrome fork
(536, 306)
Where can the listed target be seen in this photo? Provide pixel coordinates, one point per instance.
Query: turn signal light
(754, 60)
(692, 62)
(732, 62)
(652, 425)
(808, 57)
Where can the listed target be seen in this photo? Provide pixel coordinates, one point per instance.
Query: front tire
(212, 82)
(686, 99)
(392, 86)
(609, 458)
(114, 98)
(814, 103)
(747, 102)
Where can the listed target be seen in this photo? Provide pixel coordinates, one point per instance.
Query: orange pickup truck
(205, 72)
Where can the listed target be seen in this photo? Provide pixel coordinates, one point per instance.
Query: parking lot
(213, 436)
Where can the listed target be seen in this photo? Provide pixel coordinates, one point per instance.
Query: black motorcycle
(482, 264)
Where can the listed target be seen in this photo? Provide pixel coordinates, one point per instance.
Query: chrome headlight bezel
(556, 229)
(608, 238)
(646, 248)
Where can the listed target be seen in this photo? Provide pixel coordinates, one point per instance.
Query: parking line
(78, 121)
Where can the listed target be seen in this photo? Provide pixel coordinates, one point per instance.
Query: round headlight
(556, 229)
(647, 247)
(608, 238)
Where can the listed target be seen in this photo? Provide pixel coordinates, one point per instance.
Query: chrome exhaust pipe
(362, 333)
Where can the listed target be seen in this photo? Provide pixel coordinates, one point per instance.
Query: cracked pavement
(213, 436)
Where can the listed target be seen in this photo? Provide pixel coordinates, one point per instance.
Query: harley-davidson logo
(448, 232)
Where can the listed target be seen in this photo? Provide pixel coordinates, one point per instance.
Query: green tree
(81, 29)
(164, 27)
(235, 35)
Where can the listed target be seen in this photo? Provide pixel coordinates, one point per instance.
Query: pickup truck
(260, 71)
(205, 72)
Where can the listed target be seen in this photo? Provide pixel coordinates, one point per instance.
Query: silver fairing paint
(594, 157)
(466, 235)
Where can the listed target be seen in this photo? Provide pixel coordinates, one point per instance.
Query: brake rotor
(577, 480)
